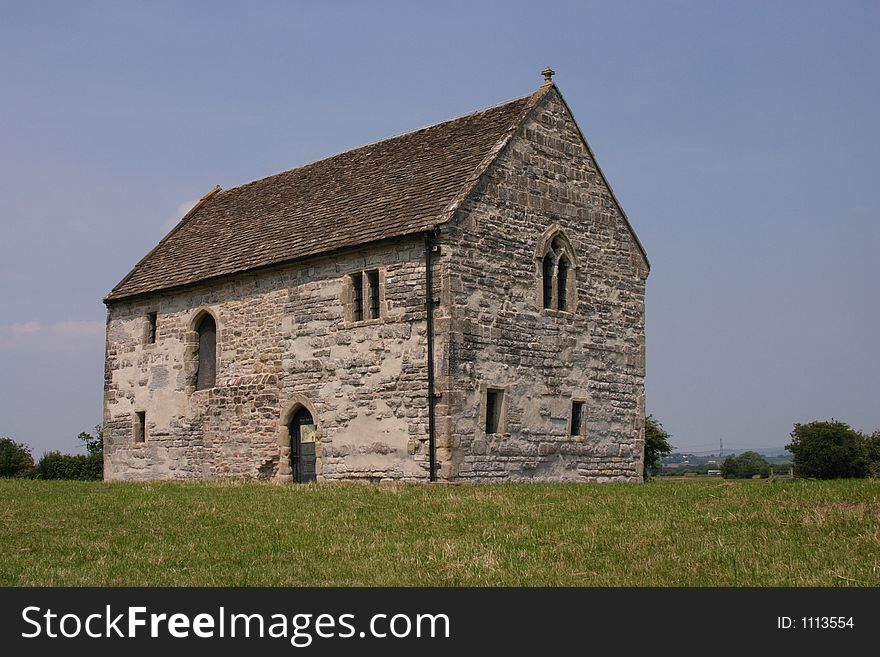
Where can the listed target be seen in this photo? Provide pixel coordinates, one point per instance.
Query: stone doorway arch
(300, 442)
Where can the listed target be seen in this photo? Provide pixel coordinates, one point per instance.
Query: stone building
(465, 300)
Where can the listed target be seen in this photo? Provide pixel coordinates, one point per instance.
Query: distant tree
(656, 445)
(15, 458)
(829, 450)
(873, 454)
(745, 466)
(94, 444)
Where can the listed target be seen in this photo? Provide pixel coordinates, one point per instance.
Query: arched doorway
(302, 431)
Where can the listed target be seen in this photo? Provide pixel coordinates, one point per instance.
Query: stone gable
(545, 183)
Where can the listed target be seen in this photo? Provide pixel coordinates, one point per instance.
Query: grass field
(665, 533)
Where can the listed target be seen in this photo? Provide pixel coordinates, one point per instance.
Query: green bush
(55, 465)
(745, 466)
(829, 450)
(15, 458)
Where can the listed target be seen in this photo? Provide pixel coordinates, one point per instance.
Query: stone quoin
(282, 330)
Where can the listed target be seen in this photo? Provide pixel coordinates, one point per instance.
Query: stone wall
(283, 339)
(544, 181)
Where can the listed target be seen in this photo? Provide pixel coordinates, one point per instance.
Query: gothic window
(207, 356)
(562, 283)
(557, 265)
(548, 280)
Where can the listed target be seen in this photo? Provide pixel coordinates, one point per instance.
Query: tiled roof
(398, 186)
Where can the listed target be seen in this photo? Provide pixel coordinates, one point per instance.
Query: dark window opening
(548, 280)
(140, 427)
(207, 366)
(151, 329)
(357, 283)
(493, 410)
(373, 284)
(577, 418)
(562, 284)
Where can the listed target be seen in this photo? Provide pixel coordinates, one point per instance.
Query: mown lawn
(665, 533)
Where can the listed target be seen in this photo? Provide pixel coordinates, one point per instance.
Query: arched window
(557, 264)
(562, 283)
(206, 374)
(547, 268)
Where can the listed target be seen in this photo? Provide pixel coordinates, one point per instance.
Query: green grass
(665, 533)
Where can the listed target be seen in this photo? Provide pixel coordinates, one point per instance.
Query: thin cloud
(63, 335)
(185, 207)
(179, 213)
(24, 328)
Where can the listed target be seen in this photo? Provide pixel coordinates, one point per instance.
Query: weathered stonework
(545, 183)
(286, 339)
(282, 341)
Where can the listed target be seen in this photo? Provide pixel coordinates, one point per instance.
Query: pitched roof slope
(394, 187)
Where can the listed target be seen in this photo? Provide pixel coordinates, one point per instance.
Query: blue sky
(741, 138)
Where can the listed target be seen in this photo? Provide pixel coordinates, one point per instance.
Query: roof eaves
(269, 266)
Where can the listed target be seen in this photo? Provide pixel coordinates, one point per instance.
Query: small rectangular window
(366, 299)
(151, 328)
(493, 410)
(357, 284)
(577, 418)
(373, 284)
(140, 427)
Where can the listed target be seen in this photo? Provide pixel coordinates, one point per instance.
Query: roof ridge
(381, 141)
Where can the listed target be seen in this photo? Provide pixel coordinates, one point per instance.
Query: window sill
(363, 322)
(560, 314)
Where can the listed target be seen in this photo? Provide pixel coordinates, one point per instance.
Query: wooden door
(302, 447)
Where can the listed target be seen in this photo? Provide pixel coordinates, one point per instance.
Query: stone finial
(548, 74)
